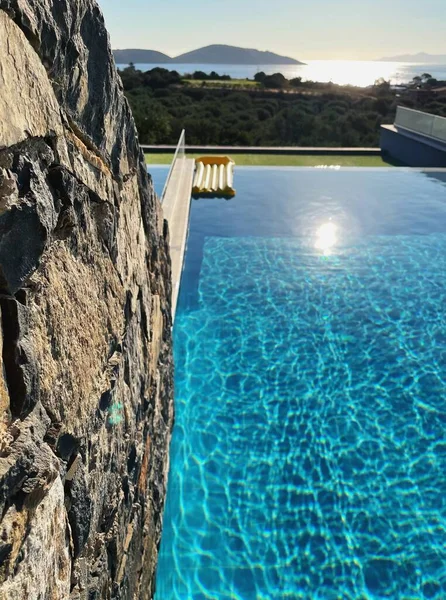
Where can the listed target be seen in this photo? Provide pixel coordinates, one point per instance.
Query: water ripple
(309, 454)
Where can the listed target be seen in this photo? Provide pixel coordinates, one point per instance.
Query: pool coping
(176, 209)
(395, 169)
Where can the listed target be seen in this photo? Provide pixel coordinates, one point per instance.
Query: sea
(341, 72)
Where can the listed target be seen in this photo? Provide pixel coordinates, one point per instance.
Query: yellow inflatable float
(214, 177)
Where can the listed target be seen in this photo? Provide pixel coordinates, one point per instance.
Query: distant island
(134, 55)
(216, 54)
(421, 57)
(232, 55)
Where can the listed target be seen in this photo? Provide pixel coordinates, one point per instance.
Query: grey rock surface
(86, 390)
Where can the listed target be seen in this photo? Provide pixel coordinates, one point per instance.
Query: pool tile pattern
(309, 454)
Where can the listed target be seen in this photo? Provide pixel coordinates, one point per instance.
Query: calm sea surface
(342, 72)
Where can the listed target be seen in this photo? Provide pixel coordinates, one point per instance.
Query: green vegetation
(282, 160)
(213, 76)
(271, 112)
(222, 83)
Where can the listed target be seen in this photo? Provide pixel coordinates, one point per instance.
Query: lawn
(243, 83)
(280, 160)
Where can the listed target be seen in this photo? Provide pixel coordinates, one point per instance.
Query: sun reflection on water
(326, 237)
(349, 72)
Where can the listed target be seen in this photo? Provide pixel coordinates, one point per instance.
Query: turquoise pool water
(309, 454)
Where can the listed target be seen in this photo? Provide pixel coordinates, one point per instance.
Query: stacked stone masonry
(86, 391)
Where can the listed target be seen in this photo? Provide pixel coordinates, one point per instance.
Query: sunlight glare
(326, 237)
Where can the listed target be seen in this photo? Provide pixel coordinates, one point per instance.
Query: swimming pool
(309, 451)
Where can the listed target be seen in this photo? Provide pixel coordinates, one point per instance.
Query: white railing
(180, 154)
(422, 123)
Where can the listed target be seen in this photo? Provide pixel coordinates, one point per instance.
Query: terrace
(416, 139)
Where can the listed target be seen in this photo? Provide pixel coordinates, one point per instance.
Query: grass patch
(235, 83)
(281, 160)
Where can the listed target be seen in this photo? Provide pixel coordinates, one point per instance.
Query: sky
(314, 29)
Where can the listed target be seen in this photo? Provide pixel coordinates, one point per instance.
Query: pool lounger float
(214, 177)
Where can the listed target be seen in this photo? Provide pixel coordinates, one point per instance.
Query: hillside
(124, 57)
(303, 114)
(215, 54)
(421, 57)
(232, 55)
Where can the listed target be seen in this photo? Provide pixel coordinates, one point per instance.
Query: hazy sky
(338, 29)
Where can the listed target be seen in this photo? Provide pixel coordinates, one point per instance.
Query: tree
(382, 87)
(130, 77)
(153, 122)
(296, 81)
(424, 81)
(432, 82)
(260, 77)
(223, 116)
(159, 78)
(200, 75)
(276, 81)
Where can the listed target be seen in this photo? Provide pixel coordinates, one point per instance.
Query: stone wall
(86, 392)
